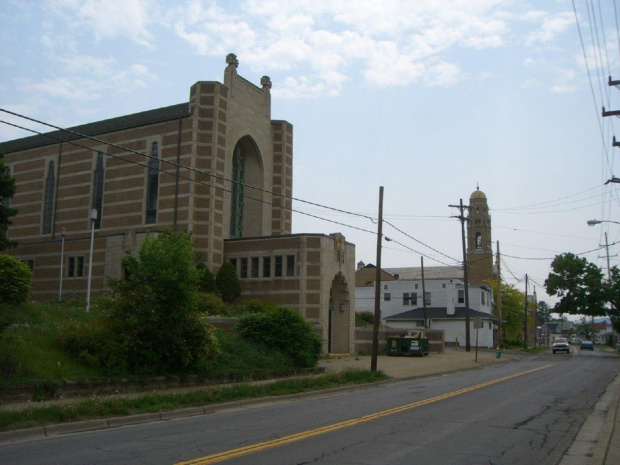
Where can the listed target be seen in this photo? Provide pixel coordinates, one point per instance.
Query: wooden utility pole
(375, 326)
(525, 323)
(461, 217)
(499, 300)
(423, 293)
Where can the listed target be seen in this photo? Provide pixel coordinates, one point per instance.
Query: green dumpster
(407, 345)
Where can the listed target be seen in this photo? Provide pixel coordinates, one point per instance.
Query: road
(522, 412)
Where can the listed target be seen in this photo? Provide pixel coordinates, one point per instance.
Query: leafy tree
(285, 330)
(7, 190)
(154, 319)
(612, 291)
(585, 329)
(578, 283)
(14, 280)
(228, 282)
(543, 313)
(512, 308)
(206, 280)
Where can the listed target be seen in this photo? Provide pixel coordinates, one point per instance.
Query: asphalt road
(523, 412)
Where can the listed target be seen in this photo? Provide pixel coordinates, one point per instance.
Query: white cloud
(550, 28)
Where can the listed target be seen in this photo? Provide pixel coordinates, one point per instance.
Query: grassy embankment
(30, 355)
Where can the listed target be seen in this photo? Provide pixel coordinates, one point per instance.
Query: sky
(429, 99)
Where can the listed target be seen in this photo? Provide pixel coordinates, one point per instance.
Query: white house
(402, 307)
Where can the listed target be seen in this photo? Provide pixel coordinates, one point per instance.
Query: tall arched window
(48, 203)
(97, 201)
(152, 185)
(478, 241)
(236, 204)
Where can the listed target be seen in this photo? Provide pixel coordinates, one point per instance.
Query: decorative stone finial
(231, 60)
(265, 82)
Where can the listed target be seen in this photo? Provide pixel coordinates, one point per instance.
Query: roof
(433, 272)
(478, 194)
(439, 313)
(143, 118)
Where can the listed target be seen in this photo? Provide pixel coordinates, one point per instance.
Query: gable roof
(439, 313)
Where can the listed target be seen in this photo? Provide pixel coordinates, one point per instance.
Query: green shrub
(154, 319)
(254, 306)
(516, 341)
(286, 330)
(363, 319)
(228, 282)
(14, 280)
(212, 305)
(206, 280)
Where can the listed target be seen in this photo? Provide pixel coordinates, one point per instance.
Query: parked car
(586, 345)
(560, 344)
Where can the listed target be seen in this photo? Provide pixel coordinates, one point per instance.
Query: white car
(560, 344)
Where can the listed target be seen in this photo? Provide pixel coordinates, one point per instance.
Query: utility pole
(499, 300)
(461, 217)
(423, 293)
(525, 322)
(375, 326)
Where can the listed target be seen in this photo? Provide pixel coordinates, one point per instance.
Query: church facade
(217, 166)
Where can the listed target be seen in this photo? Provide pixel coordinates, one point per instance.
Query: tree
(155, 320)
(612, 291)
(512, 307)
(579, 284)
(14, 280)
(228, 282)
(7, 190)
(543, 313)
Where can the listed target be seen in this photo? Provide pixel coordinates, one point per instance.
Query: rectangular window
(244, 268)
(385, 286)
(97, 200)
(254, 267)
(152, 185)
(461, 296)
(387, 296)
(76, 267)
(266, 267)
(278, 266)
(48, 203)
(405, 298)
(410, 298)
(427, 298)
(290, 265)
(482, 297)
(416, 286)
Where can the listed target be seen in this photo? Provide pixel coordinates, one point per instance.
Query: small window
(244, 268)
(277, 272)
(405, 298)
(443, 285)
(387, 296)
(478, 241)
(385, 286)
(76, 267)
(416, 286)
(254, 267)
(482, 297)
(427, 298)
(290, 265)
(461, 296)
(266, 267)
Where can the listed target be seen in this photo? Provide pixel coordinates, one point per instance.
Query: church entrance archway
(339, 332)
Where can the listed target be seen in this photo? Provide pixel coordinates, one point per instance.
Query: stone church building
(217, 166)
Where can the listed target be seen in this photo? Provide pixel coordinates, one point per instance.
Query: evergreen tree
(228, 282)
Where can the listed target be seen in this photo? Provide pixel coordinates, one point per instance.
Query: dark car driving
(586, 345)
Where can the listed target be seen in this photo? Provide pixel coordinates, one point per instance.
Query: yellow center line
(229, 454)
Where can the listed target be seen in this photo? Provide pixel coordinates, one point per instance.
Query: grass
(120, 406)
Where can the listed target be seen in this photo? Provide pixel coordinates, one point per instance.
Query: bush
(14, 280)
(211, 305)
(254, 306)
(154, 318)
(228, 282)
(206, 280)
(516, 341)
(286, 330)
(363, 319)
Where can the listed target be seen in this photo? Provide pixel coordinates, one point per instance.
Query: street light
(593, 222)
(93, 218)
(63, 233)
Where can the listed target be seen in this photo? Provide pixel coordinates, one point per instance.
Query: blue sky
(426, 98)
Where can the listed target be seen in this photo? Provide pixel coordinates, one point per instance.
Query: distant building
(217, 166)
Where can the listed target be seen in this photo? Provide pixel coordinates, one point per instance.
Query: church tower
(479, 244)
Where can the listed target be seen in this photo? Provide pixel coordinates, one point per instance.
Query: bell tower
(479, 244)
